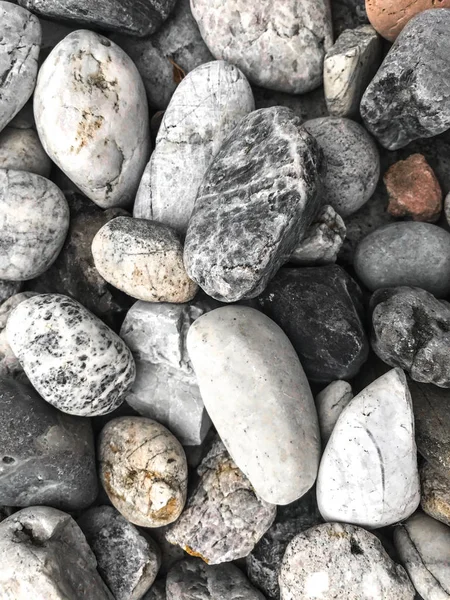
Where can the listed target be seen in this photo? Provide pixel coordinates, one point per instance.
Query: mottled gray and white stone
(277, 46)
(92, 117)
(19, 50)
(34, 219)
(144, 259)
(409, 97)
(9, 288)
(406, 253)
(21, 150)
(73, 359)
(256, 202)
(248, 372)
(348, 68)
(423, 545)
(204, 110)
(9, 363)
(223, 518)
(342, 561)
(435, 498)
(353, 162)
(366, 466)
(127, 559)
(330, 402)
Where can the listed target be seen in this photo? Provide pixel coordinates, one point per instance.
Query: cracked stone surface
(435, 498)
(20, 149)
(330, 402)
(92, 117)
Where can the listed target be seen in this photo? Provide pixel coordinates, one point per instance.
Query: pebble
(143, 470)
(9, 364)
(348, 68)
(353, 163)
(19, 50)
(330, 402)
(320, 310)
(408, 98)
(74, 361)
(157, 591)
(127, 559)
(204, 110)
(20, 149)
(447, 208)
(170, 554)
(144, 259)
(423, 545)
(243, 226)
(166, 388)
(8, 289)
(348, 14)
(47, 548)
(410, 330)
(342, 561)
(307, 106)
(405, 253)
(92, 117)
(279, 456)
(223, 518)
(366, 466)
(414, 190)
(31, 238)
(435, 498)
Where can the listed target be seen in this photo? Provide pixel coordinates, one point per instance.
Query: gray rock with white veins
(20, 149)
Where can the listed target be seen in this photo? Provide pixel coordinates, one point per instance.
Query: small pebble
(20, 149)
(8, 289)
(330, 402)
(9, 364)
(348, 14)
(435, 499)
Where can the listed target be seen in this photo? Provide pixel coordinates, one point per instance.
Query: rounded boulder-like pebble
(20, 149)
(144, 471)
(73, 359)
(330, 402)
(435, 499)
(92, 117)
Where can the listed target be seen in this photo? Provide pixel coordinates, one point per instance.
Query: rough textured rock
(19, 51)
(144, 259)
(73, 360)
(348, 14)
(320, 310)
(408, 97)
(92, 117)
(143, 470)
(435, 498)
(157, 591)
(204, 110)
(8, 289)
(330, 402)
(44, 555)
(256, 201)
(30, 238)
(341, 561)
(127, 559)
(306, 106)
(20, 149)
(242, 402)
(353, 163)
(405, 254)
(223, 518)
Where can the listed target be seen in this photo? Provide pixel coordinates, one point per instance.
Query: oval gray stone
(330, 402)
(21, 150)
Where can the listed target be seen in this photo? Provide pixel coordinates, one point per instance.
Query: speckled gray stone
(409, 98)
(256, 201)
(20, 149)
(73, 359)
(330, 402)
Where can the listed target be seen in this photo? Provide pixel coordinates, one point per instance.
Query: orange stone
(413, 190)
(389, 17)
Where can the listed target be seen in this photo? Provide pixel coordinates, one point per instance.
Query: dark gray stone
(9, 288)
(157, 591)
(256, 201)
(306, 106)
(348, 14)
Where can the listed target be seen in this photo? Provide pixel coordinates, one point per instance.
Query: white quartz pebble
(330, 402)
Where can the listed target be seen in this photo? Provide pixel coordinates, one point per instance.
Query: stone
(32, 237)
(307, 106)
(330, 402)
(260, 413)
(320, 310)
(410, 330)
(165, 58)
(9, 364)
(92, 117)
(25, 117)
(19, 51)
(423, 545)
(144, 259)
(447, 208)
(127, 559)
(8, 289)
(143, 470)
(256, 202)
(204, 110)
(223, 518)
(157, 591)
(280, 47)
(336, 560)
(45, 556)
(170, 554)
(405, 253)
(435, 498)
(194, 580)
(21, 150)
(322, 241)
(366, 466)
(408, 98)
(113, 15)
(73, 359)
(348, 14)
(166, 388)
(348, 68)
(414, 190)
(353, 163)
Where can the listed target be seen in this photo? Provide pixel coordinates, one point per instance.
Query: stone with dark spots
(320, 310)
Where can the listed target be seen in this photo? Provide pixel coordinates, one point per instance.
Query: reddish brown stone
(413, 190)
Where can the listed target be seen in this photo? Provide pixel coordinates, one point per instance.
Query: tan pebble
(435, 500)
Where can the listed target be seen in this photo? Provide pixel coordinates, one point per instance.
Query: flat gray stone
(330, 402)
(21, 150)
